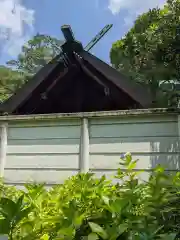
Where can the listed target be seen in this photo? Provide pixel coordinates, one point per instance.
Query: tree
(36, 53)
(148, 52)
(10, 80)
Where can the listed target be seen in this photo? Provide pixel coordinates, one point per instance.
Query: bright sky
(21, 19)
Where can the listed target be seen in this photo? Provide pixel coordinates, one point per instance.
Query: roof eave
(136, 91)
(24, 92)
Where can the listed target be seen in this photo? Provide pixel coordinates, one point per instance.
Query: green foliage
(10, 80)
(85, 207)
(148, 52)
(36, 53)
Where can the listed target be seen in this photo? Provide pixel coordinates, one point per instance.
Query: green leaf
(159, 169)
(92, 236)
(117, 205)
(171, 236)
(22, 214)
(27, 227)
(98, 229)
(45, 237)
(78, 219)
(132, 165)
(106, 200)
(7, 207)
(122, 228)
(128, 159)
(67, 231)
(5, 226)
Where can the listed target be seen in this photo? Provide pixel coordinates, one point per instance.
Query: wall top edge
(122, 113)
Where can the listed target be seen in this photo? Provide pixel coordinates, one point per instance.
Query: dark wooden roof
(79, 82)
(136, 91)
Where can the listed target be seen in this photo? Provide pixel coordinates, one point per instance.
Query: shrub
(86, 207)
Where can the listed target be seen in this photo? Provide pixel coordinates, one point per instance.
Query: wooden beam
(88, 72)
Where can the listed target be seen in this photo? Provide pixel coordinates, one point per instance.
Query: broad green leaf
(7, 207)
(171, 236)
(122, 228)
(106, 200)
(98, 229)
(22, 214)
(78, 219)
(92, 236)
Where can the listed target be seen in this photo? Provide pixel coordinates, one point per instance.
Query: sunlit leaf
(98, 229)
(92, 236)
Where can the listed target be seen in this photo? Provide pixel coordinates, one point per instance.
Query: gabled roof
(56, 70)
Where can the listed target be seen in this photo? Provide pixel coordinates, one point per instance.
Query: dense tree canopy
(149, 51)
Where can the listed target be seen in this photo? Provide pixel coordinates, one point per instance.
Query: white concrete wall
(50, 150)
(153, 140)
(42, 152)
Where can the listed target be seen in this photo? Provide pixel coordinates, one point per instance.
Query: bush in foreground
(85, 207)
